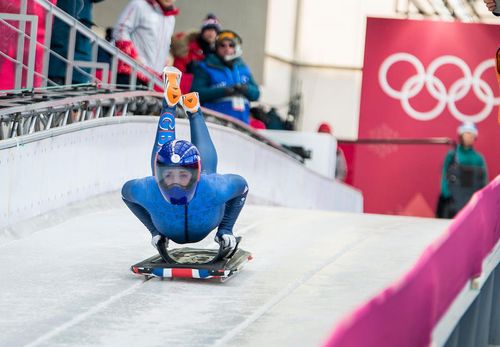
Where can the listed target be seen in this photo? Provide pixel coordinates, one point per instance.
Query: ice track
(69, 282)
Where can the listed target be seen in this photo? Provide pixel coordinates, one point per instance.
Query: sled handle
(162, 249)
(225, 255)
(221, 255)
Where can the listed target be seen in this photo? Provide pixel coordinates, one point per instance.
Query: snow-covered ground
(65, 278)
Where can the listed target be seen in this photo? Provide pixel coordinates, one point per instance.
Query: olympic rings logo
(445, 97)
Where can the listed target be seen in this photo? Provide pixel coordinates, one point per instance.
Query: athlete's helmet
(177, 171)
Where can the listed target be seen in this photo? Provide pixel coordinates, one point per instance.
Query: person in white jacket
(144, 31)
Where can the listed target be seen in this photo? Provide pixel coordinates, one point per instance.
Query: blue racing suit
(216, 203)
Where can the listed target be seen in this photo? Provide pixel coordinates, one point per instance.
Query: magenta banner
(421, 79)
(9, 41)
(405, 313)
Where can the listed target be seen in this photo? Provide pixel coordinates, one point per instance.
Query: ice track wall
(450, 272)
(46, 170)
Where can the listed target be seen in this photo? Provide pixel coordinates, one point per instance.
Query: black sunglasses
(232, 45)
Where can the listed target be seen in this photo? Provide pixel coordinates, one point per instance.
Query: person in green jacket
(464, 172)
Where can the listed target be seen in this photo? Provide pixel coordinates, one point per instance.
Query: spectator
(257, 117)
(464, 172)
(274, 121)
(188, 48)
(224, 81)
(271, 119)
(144, 31)
(81, 10)
(340, 162)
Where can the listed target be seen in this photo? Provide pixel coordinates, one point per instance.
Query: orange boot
(171, 81)
(191, 102)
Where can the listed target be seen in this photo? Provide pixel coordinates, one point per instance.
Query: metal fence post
(20, 45)
(71, 54)
(494, 336)
(32, 53)
(48, 38)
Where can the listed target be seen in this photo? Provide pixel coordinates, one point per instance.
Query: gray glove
(227, 242)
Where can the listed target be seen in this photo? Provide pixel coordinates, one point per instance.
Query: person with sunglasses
(223, 80)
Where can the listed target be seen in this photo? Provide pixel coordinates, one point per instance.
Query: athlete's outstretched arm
(165, 131)
(234, 189)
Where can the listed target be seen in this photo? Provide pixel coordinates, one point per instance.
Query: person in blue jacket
(81, 10)
(185, 198)
(223, 80)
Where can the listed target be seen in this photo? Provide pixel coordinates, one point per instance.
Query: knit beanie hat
(211, 22)
(467, 127)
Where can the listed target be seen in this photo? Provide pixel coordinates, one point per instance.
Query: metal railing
(25, 113)
(109, 70)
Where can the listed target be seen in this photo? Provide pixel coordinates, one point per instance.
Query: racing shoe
(191, 102)
(171, 81)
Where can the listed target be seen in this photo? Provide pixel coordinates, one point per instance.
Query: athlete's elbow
(242, 183)
(127, 190)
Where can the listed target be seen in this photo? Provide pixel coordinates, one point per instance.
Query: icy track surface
(68, 283)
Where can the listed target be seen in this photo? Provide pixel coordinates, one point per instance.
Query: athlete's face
(177, 176)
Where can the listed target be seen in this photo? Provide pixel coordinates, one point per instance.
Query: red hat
(324, 128)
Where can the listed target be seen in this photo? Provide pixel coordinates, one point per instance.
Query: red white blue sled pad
(193, 263)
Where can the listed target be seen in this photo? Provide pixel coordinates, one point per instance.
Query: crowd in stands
(209, 58)
(211, 61)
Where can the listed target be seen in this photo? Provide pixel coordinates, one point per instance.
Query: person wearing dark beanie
(189, 48)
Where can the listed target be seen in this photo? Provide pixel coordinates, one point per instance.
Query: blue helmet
(177, 171)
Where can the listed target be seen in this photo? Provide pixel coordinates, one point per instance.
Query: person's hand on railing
(490, 4)
(128, 48)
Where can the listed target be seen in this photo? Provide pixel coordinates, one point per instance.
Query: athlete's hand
(156, 240)
(227, 242)
(490, 4)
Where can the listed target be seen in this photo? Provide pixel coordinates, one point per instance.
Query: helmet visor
(177, 184)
